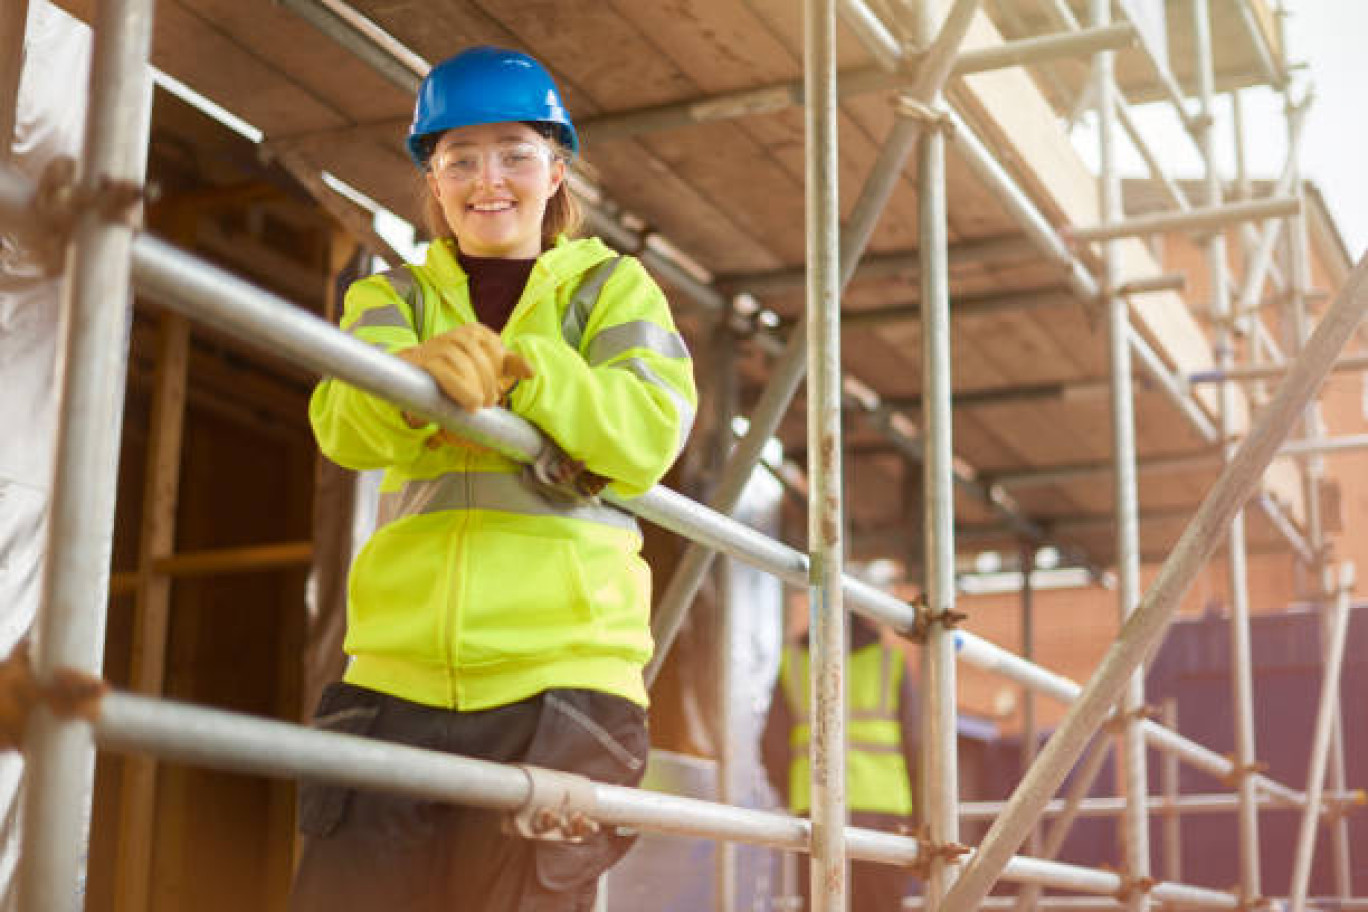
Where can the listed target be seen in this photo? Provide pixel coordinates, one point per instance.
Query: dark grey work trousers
(376, 852)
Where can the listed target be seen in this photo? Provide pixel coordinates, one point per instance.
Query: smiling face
(493, 182)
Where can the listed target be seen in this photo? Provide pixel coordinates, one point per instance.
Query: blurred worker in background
(881, 756)
(497, 612)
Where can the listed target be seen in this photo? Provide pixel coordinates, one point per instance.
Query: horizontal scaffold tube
(1183, 806)
(217, 739)
(1207, 218)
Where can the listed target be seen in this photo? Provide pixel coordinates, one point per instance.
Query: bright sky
(1327, 35)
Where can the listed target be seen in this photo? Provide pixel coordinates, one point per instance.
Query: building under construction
(1052, 427)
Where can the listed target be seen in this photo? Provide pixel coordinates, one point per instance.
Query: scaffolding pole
(1179, 805)
(1241, 674)
(940, 780)
(1327, 712)
(1134, 824)
(828, 885)
(1141, 633)
(1173, 823)
(1211, 217)
(69, 630)
(726, 389)
(1313, 471)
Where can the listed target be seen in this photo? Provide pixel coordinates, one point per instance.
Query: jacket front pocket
(526, 597)
(401, 589)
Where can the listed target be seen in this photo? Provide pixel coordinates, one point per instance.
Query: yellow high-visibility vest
(876, 773)
(478, 588)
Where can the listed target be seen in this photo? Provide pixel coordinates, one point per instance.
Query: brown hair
(563, 213)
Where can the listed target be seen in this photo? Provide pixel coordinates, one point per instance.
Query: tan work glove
(470, 364)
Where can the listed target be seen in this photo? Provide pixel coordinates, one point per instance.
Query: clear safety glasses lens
(467, 163)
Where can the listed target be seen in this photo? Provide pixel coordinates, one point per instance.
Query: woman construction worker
(489, 615)
(881, 755)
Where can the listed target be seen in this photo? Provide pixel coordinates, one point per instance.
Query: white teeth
(491, 207)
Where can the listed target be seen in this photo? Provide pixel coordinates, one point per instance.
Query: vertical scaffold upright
(70, 627)
(1134, 824)
(71, 624)
(1222, 322)
(826, 607)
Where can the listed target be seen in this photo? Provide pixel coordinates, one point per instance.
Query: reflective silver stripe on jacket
(682, 409)
(401, 280)
(507, 492)
(616, 340)
(583, 300)
(389, 315)
(865, 747)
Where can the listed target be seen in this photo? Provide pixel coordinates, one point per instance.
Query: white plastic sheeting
(49, 121)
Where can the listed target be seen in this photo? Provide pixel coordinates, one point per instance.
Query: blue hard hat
(486, 85)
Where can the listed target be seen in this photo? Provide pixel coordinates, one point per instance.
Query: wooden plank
(160, 495)
(213, 64)
(719, 159)
(703, 40)
(228, 561)
(303, 55)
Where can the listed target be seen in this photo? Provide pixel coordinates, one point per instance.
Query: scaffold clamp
(59, 201)
(929, 851)
(1250, 904)
(559, 807)
(68, 693)
(565, 478)
(1239, 771)
(1131, 885)
(921, 627)
(929, 116)
(1337, 809)
(1116, 724)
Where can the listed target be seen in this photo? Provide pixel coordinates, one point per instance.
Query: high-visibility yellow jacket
(877, 778)
(477, 590)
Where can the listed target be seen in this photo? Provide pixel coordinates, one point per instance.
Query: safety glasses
(461, 164)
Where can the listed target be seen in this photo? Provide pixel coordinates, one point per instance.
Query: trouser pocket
(602, 737)
(343, 709)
